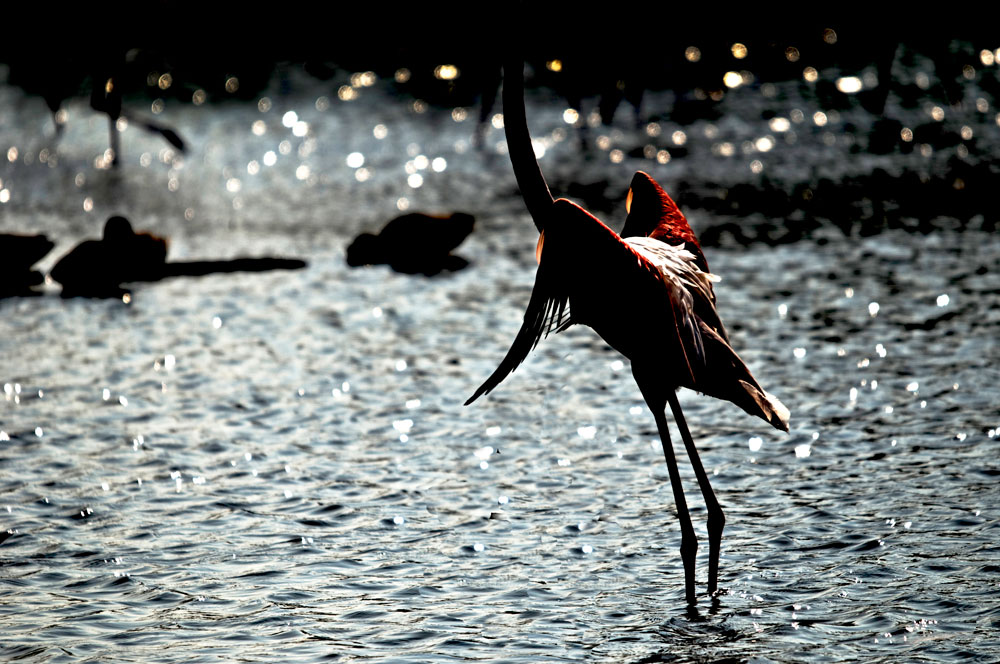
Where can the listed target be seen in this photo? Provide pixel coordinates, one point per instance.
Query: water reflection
(300, 509)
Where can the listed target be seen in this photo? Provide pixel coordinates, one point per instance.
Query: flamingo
(648, 293)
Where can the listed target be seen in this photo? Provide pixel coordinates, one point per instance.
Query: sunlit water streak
(253, 495)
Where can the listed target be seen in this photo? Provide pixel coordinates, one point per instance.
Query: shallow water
(255, 466)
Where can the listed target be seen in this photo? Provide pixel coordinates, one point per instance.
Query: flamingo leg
(716, 518)
(689, 543)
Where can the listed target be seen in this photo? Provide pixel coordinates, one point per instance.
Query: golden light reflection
(628, 201)
(937, 113)
(653, 129)
(968, 72)
(459, 114)
(779, 124)
(198, 97)
(165, 81)
(738, 50)
(756, 166)
(402, 75)
(157, 106)
(692, 54)
(109, 85)
(380, 131)
(830, 36)
(819, 119)
(810, 74)
(232, 84)
(616, 156)
(849, 84)
(982, 105)
(570, 116)
(662, 157)
(732, 79)
(792, 54)
(264, 104)
(966, 133)
(363, 79)
(347, 93)
(259, 128)
(446, 72)
(497, 121)
(419, 106)
(679, 137)
(554, 65)
(764, 144)
(987, 57)
(355, 160)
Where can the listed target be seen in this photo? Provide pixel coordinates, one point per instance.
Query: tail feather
(725, 376)
(764, 405)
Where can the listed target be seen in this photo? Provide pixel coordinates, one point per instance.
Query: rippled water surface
(247, 467)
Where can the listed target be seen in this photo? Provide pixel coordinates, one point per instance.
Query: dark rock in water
(414, 243)
(17, 254)
(98, 268)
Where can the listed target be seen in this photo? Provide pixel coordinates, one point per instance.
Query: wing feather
(547, 312)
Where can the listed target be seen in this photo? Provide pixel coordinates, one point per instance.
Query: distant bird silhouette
(648, 295)
(414, 243)
(65, 74)
(98, 268)
(18, 253)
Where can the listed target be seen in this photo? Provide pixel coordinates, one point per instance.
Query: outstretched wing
(577, 254)
(547, 312)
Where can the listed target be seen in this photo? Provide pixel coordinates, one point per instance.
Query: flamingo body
(648, 293)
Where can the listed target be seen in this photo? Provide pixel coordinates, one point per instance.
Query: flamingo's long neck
(530, 180)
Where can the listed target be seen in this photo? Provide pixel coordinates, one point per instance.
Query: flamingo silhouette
(648, 293)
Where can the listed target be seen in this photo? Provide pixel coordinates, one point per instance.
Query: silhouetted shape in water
(18, 253)
(98, 268)
(649, 296)
(414, 243)
(60, 77)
